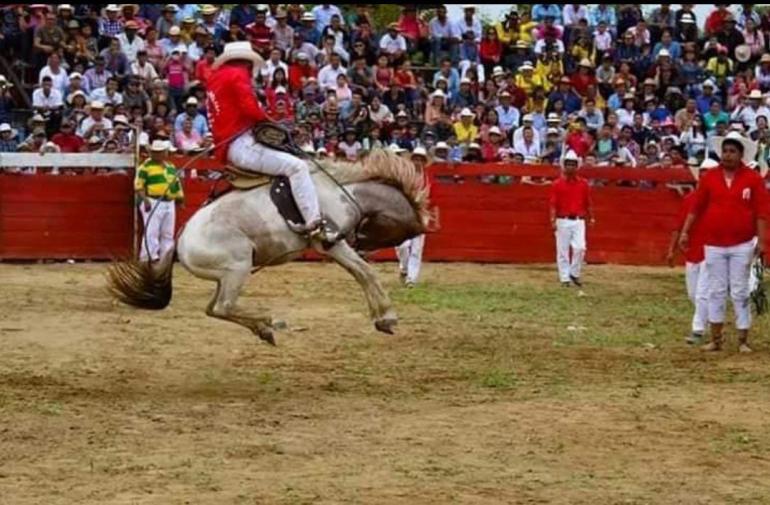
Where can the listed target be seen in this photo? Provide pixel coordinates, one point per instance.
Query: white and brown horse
(384, 203)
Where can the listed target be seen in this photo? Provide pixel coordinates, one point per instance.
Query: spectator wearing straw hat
(95, 124)
(110, 26)
(199, 122)
(9, 142)
(158, 189)
(464, 129)
(570, 207)
(167, 19)
(732, 200)
(393, 44)
(747, 114)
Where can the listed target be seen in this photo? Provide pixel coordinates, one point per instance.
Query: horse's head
(393, 196)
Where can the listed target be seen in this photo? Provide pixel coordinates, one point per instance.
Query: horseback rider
(234, 111)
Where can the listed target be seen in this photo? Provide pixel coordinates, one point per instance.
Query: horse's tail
(142, 284)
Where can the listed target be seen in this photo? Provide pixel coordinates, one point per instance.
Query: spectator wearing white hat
(9, 142)
(570, 207)
(167, 19)
(508, 116)
(173, 42)
(441, 152)
(732, 200)
(527, 121)
(465, 130)
(747, 114)
(158, 188)
(191, 112)
(95, 124)
(490, 149)
(110, 26)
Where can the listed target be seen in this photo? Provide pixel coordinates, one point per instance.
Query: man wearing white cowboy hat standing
(234, 111)
(695, 266)
(410, 252)
(158, 189)
(731, 200)
(570, 207)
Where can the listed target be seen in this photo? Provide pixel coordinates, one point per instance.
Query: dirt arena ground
(500, 387)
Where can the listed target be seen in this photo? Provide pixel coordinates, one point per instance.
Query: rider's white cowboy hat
(239, 51)
(749, 146)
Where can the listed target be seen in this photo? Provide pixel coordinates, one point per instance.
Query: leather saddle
(280, 186)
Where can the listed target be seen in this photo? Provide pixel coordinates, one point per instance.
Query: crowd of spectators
(610, 83)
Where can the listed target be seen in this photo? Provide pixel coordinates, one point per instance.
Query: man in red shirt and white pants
(732, 202)
(570, 206)
(234, 111)
(696, 277)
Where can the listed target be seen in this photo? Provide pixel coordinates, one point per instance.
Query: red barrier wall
(92, 216)
(48, 216)
(510, 223)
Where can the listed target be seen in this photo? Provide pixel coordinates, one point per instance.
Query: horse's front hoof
(266, 335)
(386, 325)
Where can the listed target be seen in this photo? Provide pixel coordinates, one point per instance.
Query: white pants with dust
(570, 234)
(410, 257)
(698, 291)
(728, 271)
(158, 229)
(247, 154)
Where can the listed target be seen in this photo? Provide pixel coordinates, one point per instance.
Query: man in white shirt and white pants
(410, 252)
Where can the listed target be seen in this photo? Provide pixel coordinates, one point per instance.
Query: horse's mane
(389, 168)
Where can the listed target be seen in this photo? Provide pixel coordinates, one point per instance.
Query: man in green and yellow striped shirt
(158, 189)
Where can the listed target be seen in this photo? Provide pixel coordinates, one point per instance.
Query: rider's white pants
(249, 155)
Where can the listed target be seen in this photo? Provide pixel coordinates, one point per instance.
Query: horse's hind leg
(379, 303)
(223, 305)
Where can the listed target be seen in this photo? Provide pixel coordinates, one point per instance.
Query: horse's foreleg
(379, 303)
(223, 306)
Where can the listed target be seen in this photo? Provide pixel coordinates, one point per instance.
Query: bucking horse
(376, 203)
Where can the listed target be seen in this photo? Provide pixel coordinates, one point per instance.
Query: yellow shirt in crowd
(465, 134)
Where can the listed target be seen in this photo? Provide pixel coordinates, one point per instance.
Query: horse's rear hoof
(386, 325)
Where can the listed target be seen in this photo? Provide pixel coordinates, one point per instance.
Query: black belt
(572, 218)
